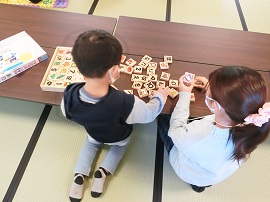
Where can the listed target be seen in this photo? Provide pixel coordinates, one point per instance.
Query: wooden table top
(177, 69)
(50, 29)
(194, 43)
(26, 85)
(195, 49)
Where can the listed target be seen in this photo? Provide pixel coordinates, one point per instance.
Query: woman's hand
(185, 86)
(200, 82)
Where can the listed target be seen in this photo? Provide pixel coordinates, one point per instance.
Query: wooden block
(149, 86)
(137, 69)
(123, 58)
(131, 62)
(122, 68)
(72, 70)
(128, 91)
(78, 78)
(62, 70)
(152, 78)
(137, 85)
(150, 71)
(143, 64)
(128, 70)
(66, 83)
(146, 58)
(189, 76)
(173, 93)
(153, 64)
(135, 77)
(69, 78)
(161, 84)
(192, 97)
(173, 83)
(151, 93)
(167, 59)
(163, 65)
(50, 83)
(144, 78)
(142, 92)
(59, 84)
(165, 76)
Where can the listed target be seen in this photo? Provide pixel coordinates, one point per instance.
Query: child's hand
(200, 82)
(164, 92)
(185, 86)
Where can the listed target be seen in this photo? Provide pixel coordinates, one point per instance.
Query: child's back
(106, 113)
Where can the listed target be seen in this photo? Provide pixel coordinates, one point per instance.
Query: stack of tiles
(146, 83)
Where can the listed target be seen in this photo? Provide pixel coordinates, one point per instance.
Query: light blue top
(201, 152)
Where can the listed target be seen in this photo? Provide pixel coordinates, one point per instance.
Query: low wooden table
(194, 43)
(195, 49)
(50, 29)
(177, 69)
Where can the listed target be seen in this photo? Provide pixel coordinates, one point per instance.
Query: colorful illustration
(42, 4)
(61, 71)
(8, 60)
(19, 53)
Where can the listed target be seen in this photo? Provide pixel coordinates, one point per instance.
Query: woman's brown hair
(241, 91)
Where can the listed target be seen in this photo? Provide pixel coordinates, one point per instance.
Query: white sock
(99, 180)
(76, 190)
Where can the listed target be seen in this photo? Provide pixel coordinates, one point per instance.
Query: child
(106, 113)
(207, 151)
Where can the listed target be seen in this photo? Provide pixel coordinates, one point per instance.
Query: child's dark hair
(241, 92)
(95, 52)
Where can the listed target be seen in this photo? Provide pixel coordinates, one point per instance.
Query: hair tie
(260, 118)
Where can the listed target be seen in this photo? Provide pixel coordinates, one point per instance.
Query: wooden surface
(50, 29)
(26, 85)
(195, 49)
(194, 43)
(177, 69)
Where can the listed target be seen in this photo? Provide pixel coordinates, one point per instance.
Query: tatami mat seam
(93, 7)
(168, 10)
(158, 175)
(159, 158)
(244, 24)
(241, 15)
(27, 155)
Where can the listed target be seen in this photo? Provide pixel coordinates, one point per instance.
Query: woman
(207, 151)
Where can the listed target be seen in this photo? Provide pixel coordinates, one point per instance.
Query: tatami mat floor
(48, 174)
(257, 15)
(18, 121)
(150, 9)
(212, 13)
(250, 183)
